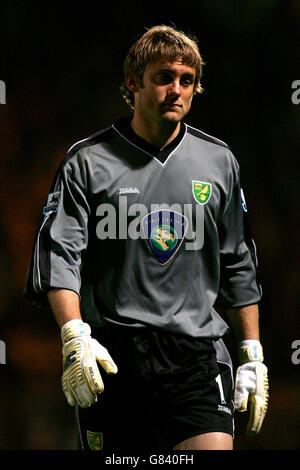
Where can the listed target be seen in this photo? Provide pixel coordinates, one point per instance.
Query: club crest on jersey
(164, 231)
(95, 440)
(201, 191)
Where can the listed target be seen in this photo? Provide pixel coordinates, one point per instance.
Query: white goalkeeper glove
(251, 384)
(81, 379)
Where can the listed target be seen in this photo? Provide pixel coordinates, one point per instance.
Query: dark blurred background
(62, 66)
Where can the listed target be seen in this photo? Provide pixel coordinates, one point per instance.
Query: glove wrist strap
(250, 350)
(73, 329)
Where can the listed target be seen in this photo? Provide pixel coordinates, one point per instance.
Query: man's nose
(174, 88)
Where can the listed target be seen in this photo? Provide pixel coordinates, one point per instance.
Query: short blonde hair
(161, 42)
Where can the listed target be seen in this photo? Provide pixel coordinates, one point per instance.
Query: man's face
(166, 92)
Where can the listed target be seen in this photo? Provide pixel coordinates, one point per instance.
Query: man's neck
(157, 135)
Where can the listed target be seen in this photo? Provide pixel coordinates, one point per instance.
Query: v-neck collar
(124, 128)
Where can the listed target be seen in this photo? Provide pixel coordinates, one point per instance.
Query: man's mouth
(176, 105)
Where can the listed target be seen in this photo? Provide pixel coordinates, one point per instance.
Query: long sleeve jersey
(147, 236)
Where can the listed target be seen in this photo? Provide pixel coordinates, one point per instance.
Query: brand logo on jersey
(95, 440)
(201, 191)
(164, 232)
(225, 409)
(129, 191)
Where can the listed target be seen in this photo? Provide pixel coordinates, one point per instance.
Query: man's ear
(132, 84)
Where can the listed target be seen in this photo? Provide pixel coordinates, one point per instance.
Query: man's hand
(251, 385)
(81, 380)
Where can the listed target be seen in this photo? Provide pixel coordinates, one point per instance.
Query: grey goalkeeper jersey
(147, 237)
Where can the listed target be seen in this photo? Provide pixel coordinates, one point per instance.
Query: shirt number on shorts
(220, 386)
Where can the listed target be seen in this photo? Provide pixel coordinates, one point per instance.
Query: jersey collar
(124, 128)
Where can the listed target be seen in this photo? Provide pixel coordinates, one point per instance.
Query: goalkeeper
(142, 244)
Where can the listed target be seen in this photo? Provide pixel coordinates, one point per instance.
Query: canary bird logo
(201, 191)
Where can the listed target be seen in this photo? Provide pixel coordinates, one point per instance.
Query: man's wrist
(74, 328)
(73, 322)
(250, 350)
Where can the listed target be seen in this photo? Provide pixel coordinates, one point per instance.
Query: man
(142, 240)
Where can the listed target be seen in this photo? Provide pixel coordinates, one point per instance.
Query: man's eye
(187, 81)
(164, 78)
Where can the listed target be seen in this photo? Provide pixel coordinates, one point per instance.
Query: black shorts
(168, 388)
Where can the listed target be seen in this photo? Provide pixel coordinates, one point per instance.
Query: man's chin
(172, 116)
